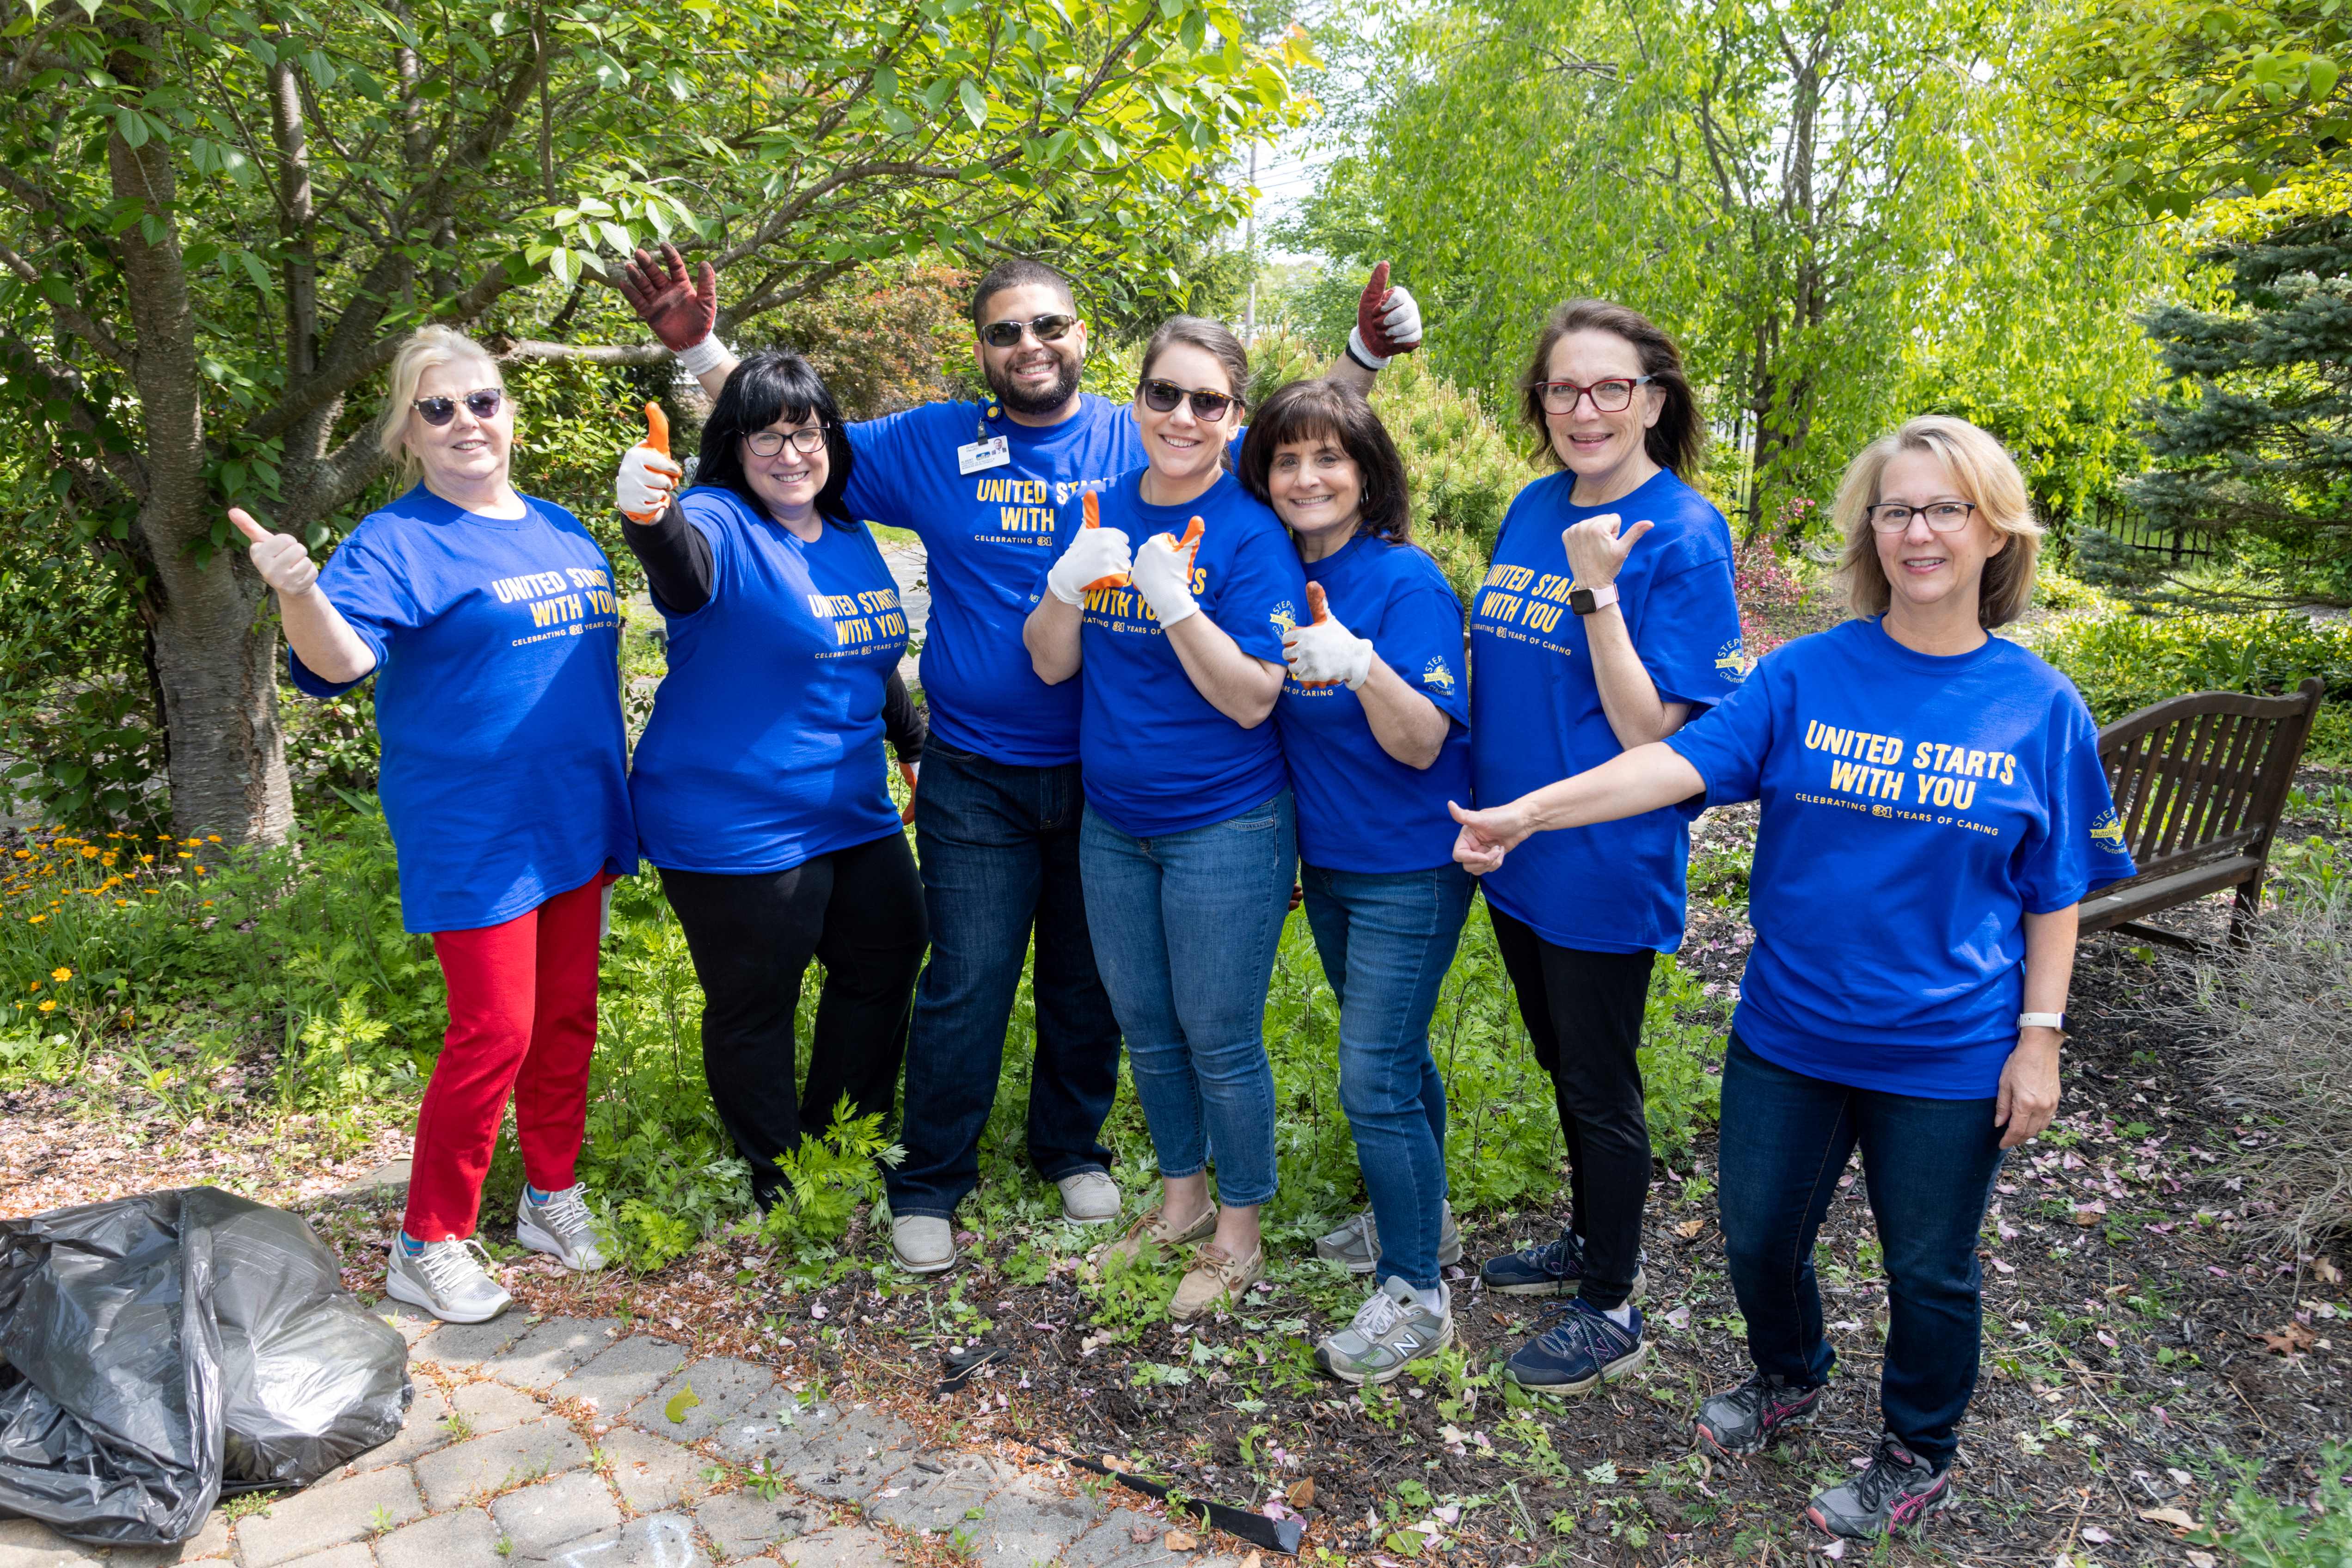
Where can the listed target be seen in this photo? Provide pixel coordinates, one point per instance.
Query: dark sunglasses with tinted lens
(1162, 397)
(439, 411)
(1050, 328)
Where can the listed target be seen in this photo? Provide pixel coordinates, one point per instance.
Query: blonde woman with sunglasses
(489, 620)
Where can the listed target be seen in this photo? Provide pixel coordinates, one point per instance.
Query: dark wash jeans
(1929, 1165)
(997, 845)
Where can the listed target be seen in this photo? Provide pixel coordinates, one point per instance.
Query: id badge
(993, 453)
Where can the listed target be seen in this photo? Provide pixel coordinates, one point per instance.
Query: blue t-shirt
(989, 539)
(1915, 809)
(1359, 809)
(498, 700)
(1155, 755)
(766, 745)
(1536, 715)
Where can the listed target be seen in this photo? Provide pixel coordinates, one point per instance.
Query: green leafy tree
(1839, 206)
(218, 217)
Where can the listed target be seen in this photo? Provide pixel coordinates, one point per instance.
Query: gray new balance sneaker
(560, 1226)
(1392, 1331)
(445, 1280)
(1357, 1243)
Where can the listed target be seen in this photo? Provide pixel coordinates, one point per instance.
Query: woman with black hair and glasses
(760, 785)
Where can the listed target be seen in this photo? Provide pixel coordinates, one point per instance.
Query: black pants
(860, 910)
(1583, 1011)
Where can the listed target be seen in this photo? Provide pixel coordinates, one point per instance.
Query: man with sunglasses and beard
(997, 813)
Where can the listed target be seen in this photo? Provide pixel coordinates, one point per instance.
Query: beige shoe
(1215, 1279)
(1153, 1230)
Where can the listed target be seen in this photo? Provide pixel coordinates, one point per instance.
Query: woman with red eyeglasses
(1606, 621)
(489, 622)
(1172, 594)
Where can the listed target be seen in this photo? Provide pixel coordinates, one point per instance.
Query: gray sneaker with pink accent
(1745, 1420)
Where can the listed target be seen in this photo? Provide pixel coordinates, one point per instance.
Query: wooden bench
(2200, 783)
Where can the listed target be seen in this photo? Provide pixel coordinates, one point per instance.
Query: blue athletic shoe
(1548, 1268)
(1584, 1347)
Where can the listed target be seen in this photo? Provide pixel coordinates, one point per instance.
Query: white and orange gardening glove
(649, 477)
(1098, 558)
(1324, 652)
(1388, 322)
(1164, 574)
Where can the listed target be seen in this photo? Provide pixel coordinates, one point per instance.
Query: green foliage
(2266, 1531)
(828, 1178)
(2121, 662)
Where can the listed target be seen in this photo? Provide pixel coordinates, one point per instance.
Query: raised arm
(1643, 779)
(315, 629)
(681, 309)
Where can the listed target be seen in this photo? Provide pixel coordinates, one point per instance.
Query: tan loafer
(1215, 1279)
(1153, 1230)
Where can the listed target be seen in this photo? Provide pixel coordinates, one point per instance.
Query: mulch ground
(2136, 1331)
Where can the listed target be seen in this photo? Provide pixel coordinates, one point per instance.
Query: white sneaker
(561, 1227)
(446, 1281)
(922, 1243)
(1089, 1197)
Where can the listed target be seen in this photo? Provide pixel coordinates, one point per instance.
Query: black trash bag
(157, 1351)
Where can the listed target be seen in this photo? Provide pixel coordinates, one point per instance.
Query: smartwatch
(2043, 1021)
(1585, 601)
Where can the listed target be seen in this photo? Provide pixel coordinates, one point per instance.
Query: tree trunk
(216, 660)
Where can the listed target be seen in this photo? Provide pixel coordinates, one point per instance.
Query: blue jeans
(1185, 927)
(1929, 1165)
(998, 851)
(1387, 940)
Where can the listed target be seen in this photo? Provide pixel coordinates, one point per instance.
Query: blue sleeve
(1729, 742)
(1419, 638)
(2082, 848)
(371, 592)
(1690, 635)
(1264, 591)
(882, 453)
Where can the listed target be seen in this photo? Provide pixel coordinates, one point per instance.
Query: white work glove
(1323, 652)
(1096, 554)
(279, 558)
(1164, 574)
(1388, 322)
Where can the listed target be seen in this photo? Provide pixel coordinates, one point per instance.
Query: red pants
(522, 1021)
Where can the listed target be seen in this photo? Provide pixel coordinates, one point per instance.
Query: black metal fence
(2126, 525)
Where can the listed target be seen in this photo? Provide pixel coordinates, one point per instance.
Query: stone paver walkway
(575, 1442)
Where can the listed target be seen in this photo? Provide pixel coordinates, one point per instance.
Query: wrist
(2038, 1038)
(1362, 355)
(701, 359)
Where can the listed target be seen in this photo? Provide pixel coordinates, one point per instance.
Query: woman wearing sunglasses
(761, 784)
(489, 621)
(1374, 725)
(1175, 606)
(1606, 620)
(1933, 812)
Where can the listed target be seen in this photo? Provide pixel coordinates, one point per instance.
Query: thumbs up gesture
(1098, 558)
(1388, 321)
(279, 558)
(1164, 574)
(1325, 653)
(1596, 551)
(642, 489)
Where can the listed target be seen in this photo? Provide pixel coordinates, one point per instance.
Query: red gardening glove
(1387, 320)
(682, 311)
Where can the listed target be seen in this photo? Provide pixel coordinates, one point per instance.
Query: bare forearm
(1348, 372)
(1406, 723)
(1237, 685)
(321, 638)
(1051, 636)
(1643, 779)
(2050, 960)
(714, 381)
(1628, 698)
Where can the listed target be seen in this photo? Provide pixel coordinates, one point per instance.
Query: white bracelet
(700, 360)
(2041, 1021)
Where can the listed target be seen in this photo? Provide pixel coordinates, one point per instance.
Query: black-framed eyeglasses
(1162, 397)
(1943, 516)
(1048, 329)
(1613, 396)
(438, 411)
(768, 443)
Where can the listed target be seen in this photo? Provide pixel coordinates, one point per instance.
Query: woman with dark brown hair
(1375, 726)
(1606, 621)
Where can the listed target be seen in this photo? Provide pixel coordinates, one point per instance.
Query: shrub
(2272, 1024)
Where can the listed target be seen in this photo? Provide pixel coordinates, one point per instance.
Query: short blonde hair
(1986, 474)
(428, 348)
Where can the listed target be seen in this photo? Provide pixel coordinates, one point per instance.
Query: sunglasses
(768, 443)
(1162, 397)
(438, 411)
(1050, 328)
